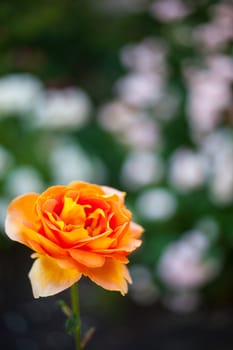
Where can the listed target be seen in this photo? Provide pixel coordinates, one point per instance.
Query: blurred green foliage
(70, 42)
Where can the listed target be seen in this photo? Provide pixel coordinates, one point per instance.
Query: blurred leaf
(71, 324)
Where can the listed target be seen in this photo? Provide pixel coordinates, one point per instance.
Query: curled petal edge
(21, 212)
(48, 278)
(113, 275)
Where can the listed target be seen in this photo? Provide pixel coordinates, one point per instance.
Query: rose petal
(136, 230)
(49, 230)
(127, 248)
(101, 243)
(53, 192)
(86, 241)
(121, 214)
(86, 258)
(113, 275)
(72, 212)
(48, 278)
(32, 239)
(86, 189)
(70, 239)
(120, 257)
(109, 191)
(129, 244)
(21, 212)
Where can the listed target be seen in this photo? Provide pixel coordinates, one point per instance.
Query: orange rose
(76, 229)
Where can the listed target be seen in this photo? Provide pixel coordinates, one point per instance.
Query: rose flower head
(75, 230)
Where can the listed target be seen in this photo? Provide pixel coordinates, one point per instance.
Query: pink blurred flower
(146, 56)
(182, 265)
(169, 10)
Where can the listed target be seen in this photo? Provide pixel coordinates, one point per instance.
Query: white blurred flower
(69, 162)
(67, 108)
(3, 211)
(223, 13)
(188, 170)
(23, 179)
(182, 265)
(143, 290)
(221, 182)
(117, 116)
(144, 133)
(145, 57)
(18, 93)
(215, 34)
(6, 161)
(156, 204)
(211, 36)
(222, 186)
(218, 149)
(221, 65)
(169, 10)
(209, 95)
(129, 125)
(141, 168)
(139, 89)
(218, 145)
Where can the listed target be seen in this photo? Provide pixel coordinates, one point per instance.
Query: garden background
(134, 94)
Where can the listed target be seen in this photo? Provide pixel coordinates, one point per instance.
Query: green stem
(76, 313)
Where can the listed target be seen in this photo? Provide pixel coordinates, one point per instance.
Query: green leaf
(71, 324)
(64, 307)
